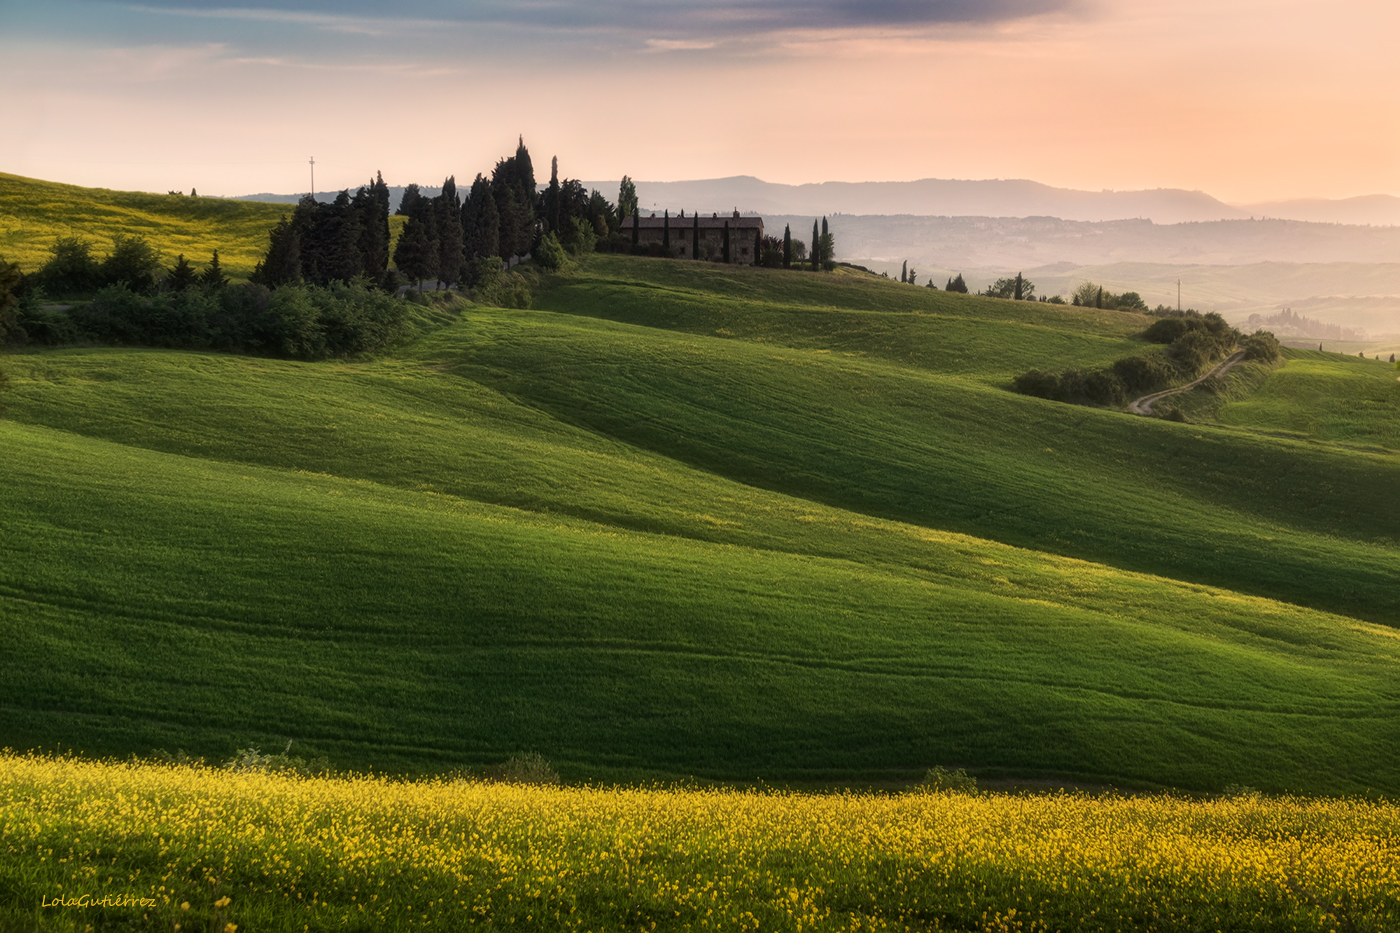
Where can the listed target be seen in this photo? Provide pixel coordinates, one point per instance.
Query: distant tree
(551, 197)
(799, 250)
(370, 207)
(626, 199)
(181, 275)
(1130, 301)
(1098, 298)
(816, 248)
(282, 263)
(1392, 357)
(551, 255)
(1084, 295)
(787, 246)
(827, 247)
(481, 224)
(956, 284)
(132, 261)
(666, 231)
(194, 193)
(904, 272)
(601, 214)
(913, 276)
(71, 268)
(1017, 294)
(213, 274)
(408, 204)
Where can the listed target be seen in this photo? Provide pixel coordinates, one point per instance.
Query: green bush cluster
(301, 322)
(1193, 341)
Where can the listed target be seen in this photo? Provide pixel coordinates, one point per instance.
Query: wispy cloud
(643, 21)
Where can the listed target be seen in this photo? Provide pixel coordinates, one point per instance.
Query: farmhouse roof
(707, 222)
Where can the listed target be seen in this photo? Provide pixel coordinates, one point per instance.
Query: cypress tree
(666, 231)
(551, 197)
(949, 286)
(816, 249)
(787, 246)
(282, 263)
(726, 241)
(213, 276)
(409, 202)
(1017, 294)
(695, 238)
(448, 217)
(1098, 299)
(416, 254)
(339, 235)
(181, 275)
(627, 201)
(904, 273)
(828, 248)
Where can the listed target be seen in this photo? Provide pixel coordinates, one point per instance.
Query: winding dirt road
(1143, 406)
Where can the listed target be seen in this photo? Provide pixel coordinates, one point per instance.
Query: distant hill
(1374, 209)
(326, 197)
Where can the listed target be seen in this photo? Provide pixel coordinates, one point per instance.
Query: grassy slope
(526, 531)
(34, 213)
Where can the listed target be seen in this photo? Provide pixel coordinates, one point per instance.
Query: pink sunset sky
(1249, 100)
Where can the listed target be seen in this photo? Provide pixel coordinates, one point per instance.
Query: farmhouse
(699, 236)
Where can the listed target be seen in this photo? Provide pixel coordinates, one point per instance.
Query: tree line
(1191, 342)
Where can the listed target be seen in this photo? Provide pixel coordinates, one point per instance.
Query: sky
(1248, 100)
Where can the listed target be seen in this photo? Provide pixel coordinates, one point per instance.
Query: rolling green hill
(679, 520)
(34, 213)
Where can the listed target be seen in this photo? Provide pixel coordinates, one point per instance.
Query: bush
(509, 290)
(1262, 346)
(1038, 383)
(71, 269)
(940, 779)
(1143, 374)
(551, 255)
(132, 262)
(527, 768)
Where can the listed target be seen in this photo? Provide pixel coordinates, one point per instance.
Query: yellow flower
(223, 902)
(185, 905)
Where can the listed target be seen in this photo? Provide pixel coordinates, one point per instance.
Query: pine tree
(213, 276)
(787, 246)
(828, 244)
(181, 275)
(282, 263)
(1016, 295)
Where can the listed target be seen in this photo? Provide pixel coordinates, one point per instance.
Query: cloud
(647, 22)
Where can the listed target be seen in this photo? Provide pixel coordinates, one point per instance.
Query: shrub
(1262, 346)
(132, 261)
(527, 768)
(1038, 383)
(71, 269)
(509, 290)
(551, 255)
(939, 778)
(1142, 374)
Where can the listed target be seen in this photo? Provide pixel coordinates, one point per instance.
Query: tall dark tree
(1016, 295)
(213, 274)
(1098, 298)
(666, 231)
(409, 202)
(417, 252)
(816, 249)
(371, 209)
(514, 221)
(725, 246)
(181, 275)
(282, 263)
(904, 272)
(695, 237)
(601, 213)
(447, 216)
(481, 223)
(338, 241)
(132, 261)
(787, 246)
(551, 197)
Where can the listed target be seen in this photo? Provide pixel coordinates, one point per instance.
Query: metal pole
(313, 178)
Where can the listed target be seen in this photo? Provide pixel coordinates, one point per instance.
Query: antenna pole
(1178, 296)
(313, 178)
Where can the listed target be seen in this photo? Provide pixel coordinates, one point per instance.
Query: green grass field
(681, 520)
(34, 213)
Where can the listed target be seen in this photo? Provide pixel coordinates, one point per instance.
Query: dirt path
(1143, 406)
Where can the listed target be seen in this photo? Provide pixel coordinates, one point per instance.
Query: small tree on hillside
(816, 248)
(213, 275)
(787, 246)
(904, 272)
(282, 263)
(956, 284)
(826, 247)
(181, 275)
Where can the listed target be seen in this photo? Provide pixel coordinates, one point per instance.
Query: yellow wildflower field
(97, 845)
